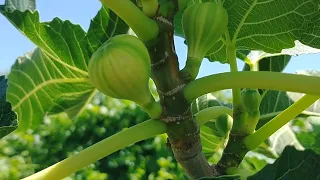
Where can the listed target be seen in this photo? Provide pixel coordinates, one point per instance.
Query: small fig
(121, 68)
(203, 25)
(224, 124)
(251, 99)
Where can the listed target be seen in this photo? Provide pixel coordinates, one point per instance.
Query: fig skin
(121, 69)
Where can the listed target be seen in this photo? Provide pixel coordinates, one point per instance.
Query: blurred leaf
(282, 138)
(251, 164)
(310, 141)
(8, 118)
(226, 177)
(308, 132)
(292, 164)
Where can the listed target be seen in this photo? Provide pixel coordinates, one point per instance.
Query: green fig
(251, 99)
(121, 69)
(203, 25)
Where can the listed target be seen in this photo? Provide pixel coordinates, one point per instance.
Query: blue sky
(14, 44)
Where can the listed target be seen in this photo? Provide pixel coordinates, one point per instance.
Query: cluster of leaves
(22, 154)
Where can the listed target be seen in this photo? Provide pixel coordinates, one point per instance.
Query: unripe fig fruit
(224, 124)
(203, 25)
(121, 68)
(251, 99)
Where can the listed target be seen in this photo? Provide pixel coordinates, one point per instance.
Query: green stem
(144, 27)
(232, 58)
(211, 113)
(254, 140)
(243, 57)
(153, 108)
(262, 80)
(254, 66)
(101, 149)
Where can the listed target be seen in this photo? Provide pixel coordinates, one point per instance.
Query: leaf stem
(211, 113)
(144, 27)
(101, 149)
(262, 80)
(254, 140)
(243, 58)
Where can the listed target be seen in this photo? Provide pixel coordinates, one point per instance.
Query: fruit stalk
(192, 67)
(253, 141)
(144, 27)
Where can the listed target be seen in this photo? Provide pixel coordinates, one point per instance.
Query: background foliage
(59, 137)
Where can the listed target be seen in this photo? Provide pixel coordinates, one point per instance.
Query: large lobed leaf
(54, 78)
(8, 118)
(292, 164)
(267, 25)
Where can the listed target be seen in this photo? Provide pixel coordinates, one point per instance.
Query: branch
(262, 80)
(254, 140)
